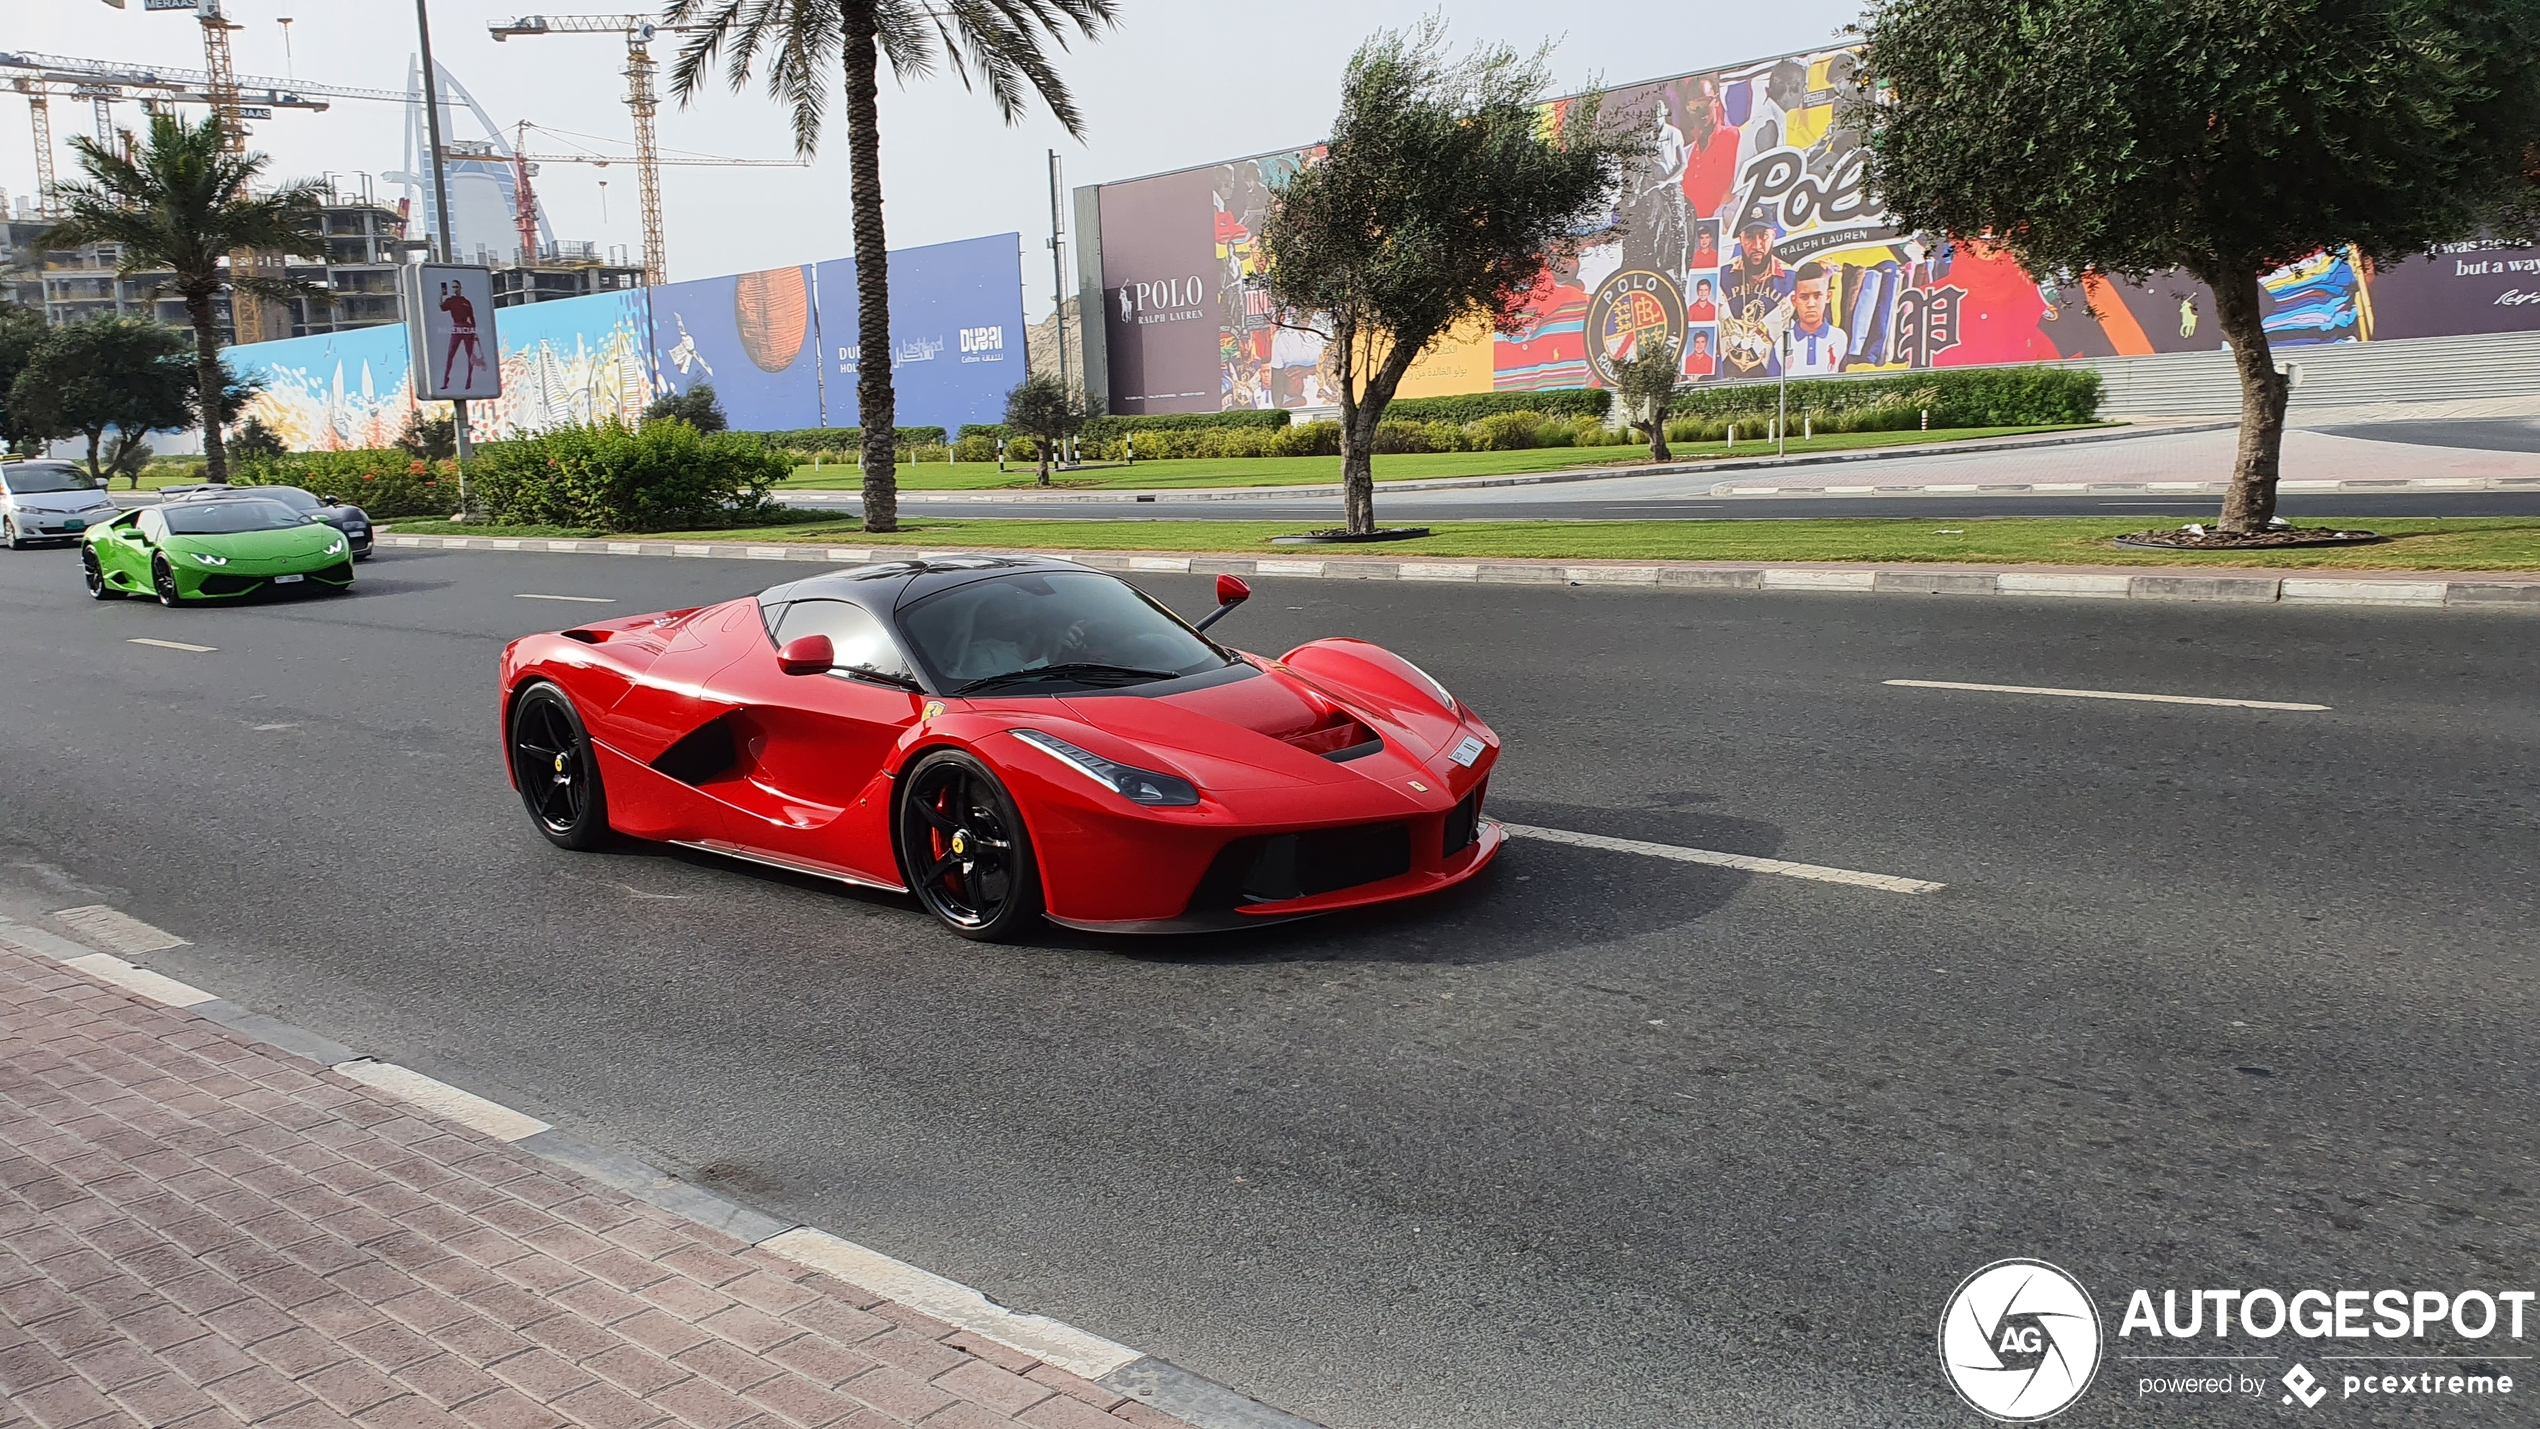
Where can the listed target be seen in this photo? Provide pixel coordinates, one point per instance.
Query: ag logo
(2019, 1340)
(1632, 311)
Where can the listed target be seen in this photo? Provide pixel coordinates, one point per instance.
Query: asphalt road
(2472, 434)
(2215, 996)
(1547, 503)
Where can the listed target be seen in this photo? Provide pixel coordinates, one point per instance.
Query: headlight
(1138, 786)
(1443, 697)
(209, 560)
(336, 549)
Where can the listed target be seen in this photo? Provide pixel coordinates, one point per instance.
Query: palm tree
(182, 203)
(1002, 42)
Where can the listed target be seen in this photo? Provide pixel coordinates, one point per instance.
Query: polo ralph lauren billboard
(1752, 219)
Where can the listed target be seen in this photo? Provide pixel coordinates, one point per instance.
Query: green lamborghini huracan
(213, 550)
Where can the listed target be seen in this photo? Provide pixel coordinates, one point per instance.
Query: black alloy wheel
(553, 765)
(95, 574)
(963, 848)
(163, 580)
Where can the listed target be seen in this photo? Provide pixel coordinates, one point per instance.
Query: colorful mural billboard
(1751, 241)
(957, 331)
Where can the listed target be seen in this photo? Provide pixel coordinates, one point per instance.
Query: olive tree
(2223, 137)
(1041, 407)
(1439, 199)
(112, 380)
(1646, 383)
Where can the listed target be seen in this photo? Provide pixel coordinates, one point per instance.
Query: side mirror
(808, 655)
(1231, 592)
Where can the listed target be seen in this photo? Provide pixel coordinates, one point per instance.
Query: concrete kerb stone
(2513, 591)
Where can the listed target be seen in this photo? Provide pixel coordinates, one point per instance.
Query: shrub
(696, 407)
(659, 477)
(1311, 439)
(1106, 428)
(386, 482)
(1955, 397)
(1504, 431)
(848, 440)
(1473, 406)
(975, 446)
(431, 438)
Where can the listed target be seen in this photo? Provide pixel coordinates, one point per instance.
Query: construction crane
(524, 162)
(642, 101)
(39, 108)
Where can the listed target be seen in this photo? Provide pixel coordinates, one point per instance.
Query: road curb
(1546, 478)
(2515, 590)
(1152, 1381)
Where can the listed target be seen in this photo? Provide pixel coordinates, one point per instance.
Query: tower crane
(102, 82)
(642, 101)
(526, 216)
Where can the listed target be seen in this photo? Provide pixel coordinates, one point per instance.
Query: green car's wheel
(163, 580)
(558, 776)
(95, 574)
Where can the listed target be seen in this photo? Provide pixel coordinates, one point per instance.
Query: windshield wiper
(1076, 670)
(897, 682)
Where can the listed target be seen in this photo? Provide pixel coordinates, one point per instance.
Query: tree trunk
(1358, 470)
(1044, 444)
(877, 408)
(210, 380)
(2249, 503)
(1657, 438)
(96, 437)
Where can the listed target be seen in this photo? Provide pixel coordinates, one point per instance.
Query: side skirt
(790, 866)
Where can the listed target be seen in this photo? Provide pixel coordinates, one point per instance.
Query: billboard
(760, 338)
(956, 331)
(445, 304)
(1751, 240)
(750, 335)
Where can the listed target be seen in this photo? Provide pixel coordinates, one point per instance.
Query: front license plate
(357, 530)
(1467, 752)
(286, 580)
(75, 524)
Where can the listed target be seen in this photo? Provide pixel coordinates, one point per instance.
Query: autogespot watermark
(2021, 1341)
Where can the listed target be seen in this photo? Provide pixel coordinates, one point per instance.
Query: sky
(1178, 83)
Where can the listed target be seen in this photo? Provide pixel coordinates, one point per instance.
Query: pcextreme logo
(2019, 1341)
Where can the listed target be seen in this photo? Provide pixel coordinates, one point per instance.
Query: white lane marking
(117, 929)
(172, 645)
(159, 988)
(1079, 1353)
(263, 727)
(584, 599)
(2105, 695)
(1817, 873)
(440, 1098)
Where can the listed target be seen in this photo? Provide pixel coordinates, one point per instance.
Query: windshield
(290, 496)
(223, 518)
(31, 478)
(1103, 631)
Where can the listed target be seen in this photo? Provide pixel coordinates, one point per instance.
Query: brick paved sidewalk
(197, 1229)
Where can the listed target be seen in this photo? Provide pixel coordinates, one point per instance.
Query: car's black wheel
(163, 580)
(963, 848)
(558, 774)
(95, 575)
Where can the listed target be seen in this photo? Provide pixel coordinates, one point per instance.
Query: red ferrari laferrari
(1007, 738)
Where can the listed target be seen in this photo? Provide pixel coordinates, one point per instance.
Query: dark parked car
(351, 520)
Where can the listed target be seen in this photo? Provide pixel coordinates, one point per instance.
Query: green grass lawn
(2467, 544)
(1308, 470)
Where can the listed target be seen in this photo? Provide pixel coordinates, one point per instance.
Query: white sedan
(48, 501)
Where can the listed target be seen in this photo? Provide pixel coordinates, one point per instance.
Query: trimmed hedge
(1473, 406)
(663, 476)
(846, 439)
(1955, 397)
(386, 482)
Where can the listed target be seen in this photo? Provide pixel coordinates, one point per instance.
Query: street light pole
(441, 206)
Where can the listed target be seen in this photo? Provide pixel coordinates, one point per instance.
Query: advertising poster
(1752, 242)
(572, 362)
(956, 332)
(748, 334)
(450, 322)
(338, 391)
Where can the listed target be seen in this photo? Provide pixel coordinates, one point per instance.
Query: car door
(123, 553)
(806, 783)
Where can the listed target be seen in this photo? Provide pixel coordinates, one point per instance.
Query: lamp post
(441, 207)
